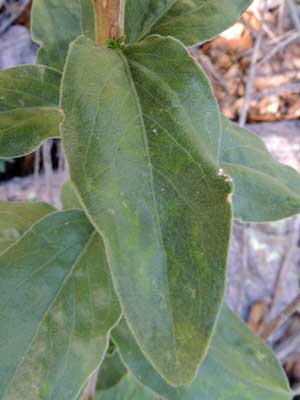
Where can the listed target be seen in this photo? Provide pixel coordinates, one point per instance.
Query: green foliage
(191, 21)
(111, 373)
(139, 169)
(17, 218)
(56, 23)
(68, 197)
(28, 108)
(265, 190)
(128, 389)
(234, 359)
(147, 227)
(59, 271)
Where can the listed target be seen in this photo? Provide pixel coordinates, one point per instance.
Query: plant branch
(109, 15)
(252, 72)
(279, 320)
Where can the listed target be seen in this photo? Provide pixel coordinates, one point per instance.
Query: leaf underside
(238, 366)
(64, 309)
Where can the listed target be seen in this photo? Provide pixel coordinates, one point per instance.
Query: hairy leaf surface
(191, 21)
(238, 366)
(264, 189)
(56, 23)
(55, 331)
(142, 155)
(17, 218)
(29, 112)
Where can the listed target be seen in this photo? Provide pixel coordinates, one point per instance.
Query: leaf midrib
(188, 119)
(131, 82)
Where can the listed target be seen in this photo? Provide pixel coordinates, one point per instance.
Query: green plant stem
(109, 20)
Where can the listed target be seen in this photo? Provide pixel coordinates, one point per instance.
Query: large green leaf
(29, 112)
(17, 218)
(142, 155)
(56, 23)
(264, 189)
(128, 389)
(191, 21)
(57, 308)
(238, 366)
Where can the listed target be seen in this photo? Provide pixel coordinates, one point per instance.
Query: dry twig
(252, 72)
(280, 46)
(294, 14)
(287, 347)
(281, 318)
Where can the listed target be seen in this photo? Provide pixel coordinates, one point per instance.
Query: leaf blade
(128, 389)
(245, 368)
(68, 197)
(264, 189)
(111, 373)
(191, 22)
(59, 253)
(137, 232)
(17, 218)
(29, 112)
(56, 23)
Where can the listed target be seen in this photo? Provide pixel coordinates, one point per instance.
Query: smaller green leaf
(112, 371)
(264, 189)
(29, 112)
(238, 366)
(191, 21)
(55, 288)
(68, 196)
(56, 23)
(17, 218)
(128, 389)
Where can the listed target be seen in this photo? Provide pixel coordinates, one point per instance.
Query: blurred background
(254, 68)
